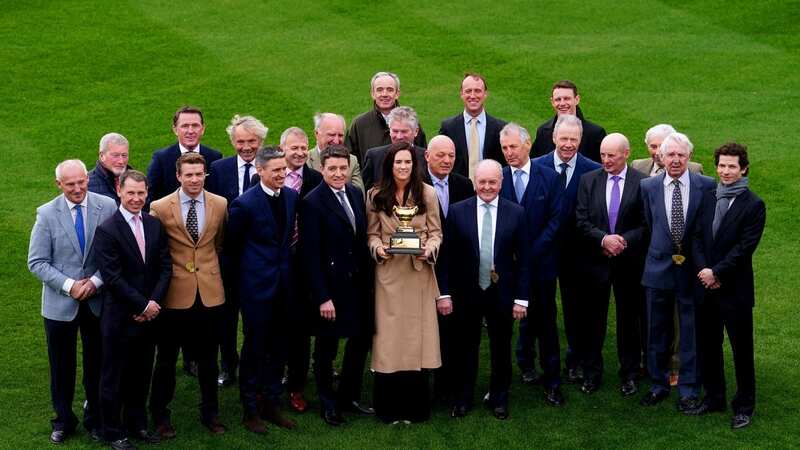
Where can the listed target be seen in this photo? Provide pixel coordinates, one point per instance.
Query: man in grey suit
(61, 256)
(329, 130)
(653, 165)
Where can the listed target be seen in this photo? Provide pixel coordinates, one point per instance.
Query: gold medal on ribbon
(190, 267)
(678, 259)
(494, 276)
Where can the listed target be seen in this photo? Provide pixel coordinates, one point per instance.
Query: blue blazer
(542, 203)
(261, 261)
(659, 270)
(460, 253)
(223, 178)
(337, 260)
(161, 171)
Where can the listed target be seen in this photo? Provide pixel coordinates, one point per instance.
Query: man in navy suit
(302, 179)
(570, 166)
(258, 242)
(111, 162)
(333, 238)
(486, 275)
(188, 125)
(614, 238)
(671, 201)
(535, 187)
(475, 133)
(134, 260)
(726, 235)
(229, 177)
(62, 256)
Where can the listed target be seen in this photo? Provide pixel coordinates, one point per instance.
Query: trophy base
(404, 243)
(405, 251)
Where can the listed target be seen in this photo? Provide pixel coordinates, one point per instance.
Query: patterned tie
(677, 213)
(347, 211)
(613, 205)
(473, 147)
(191, 220)
(562, 176)
(246, 180)
(138, 234)
(519, 184)
(485, 266)
(443, 194)
(79, 229)
(295, 181)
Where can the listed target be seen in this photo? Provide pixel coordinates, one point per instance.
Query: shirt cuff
(443, 297)
(97, 281)
(521, 302)
(68, 283)
(603, 240)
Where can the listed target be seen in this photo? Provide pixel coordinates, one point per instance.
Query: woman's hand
(426, 254)
(382, 254)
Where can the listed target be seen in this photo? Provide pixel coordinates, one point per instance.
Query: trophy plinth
(405, 241)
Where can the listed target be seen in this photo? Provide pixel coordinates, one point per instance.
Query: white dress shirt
(346, 200)
(481, 210)
(199, 208)
(570, 165)
(96, 280)
(240, 170)
(186, 150)
(269, 191)
(669, 187)
(481, 125)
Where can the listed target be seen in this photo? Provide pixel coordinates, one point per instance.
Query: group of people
(298, 243)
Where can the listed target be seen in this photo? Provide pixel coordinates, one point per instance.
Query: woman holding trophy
(404, 233)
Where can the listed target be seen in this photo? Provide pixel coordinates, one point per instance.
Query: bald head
(440, 156)
(488, 179)
(614, 152)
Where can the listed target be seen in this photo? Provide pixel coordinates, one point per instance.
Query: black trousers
(351, 381)
(628, 298)
(713, 318)
(541, 326)
(62, 339)
(191, 329)
(263, 358)
(229, 334)
(499, 322)
(445, 377)
(572, 298)
(402, 396)
(125, 382)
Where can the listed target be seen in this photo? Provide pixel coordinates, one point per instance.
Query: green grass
(717, 70)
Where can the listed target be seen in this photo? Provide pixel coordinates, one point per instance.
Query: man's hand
(444, 305)
(613, 244)
(706, 276)
(89, 289)
(77, 290)
(519, 312)
(151, 311)
(327, 310)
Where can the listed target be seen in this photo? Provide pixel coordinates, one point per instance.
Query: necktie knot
(676, 182)
(564, 166)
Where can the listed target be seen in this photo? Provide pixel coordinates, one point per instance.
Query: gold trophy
(405, 241)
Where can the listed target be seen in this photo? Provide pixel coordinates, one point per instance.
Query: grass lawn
(717, 70)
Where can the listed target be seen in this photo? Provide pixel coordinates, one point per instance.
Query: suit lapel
(335, 206)
(210, 213)
(288, 231)
(65, 219)
(177, 216)
(461, 136)
(92, 220)
(732, 216)
(599, 193)
(472, 225)
(127, 235)
(627, 192)
(695, 194)
(661, 207)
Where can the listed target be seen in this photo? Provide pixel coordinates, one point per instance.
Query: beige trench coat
(406, 327)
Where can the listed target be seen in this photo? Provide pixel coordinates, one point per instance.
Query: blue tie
(79, 229)
(519, 184)
(443, 194)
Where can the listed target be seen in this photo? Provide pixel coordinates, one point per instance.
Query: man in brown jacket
(194, 220)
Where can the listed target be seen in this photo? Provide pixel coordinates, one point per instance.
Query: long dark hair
(384, 198)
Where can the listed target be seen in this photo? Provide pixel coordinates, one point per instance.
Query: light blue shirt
(481, 130)
(442, 190)
(199, 207)
(570, 165)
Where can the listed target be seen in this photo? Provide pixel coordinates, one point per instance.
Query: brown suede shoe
(273, 414)
(215, 426)
(254, 424)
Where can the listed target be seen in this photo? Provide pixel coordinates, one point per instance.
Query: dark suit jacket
(259, 259)
(730, 254)
(373, 164)
(591, 138)
(102, 181)
(161, 171)
(453, 128)
(129, 282)
(369, 130)
(311, 179)
(592, 221)
(223, 178)
(337, 260)
(460, 253)
(542, 203)
(659, 270)
(568, 238)
(458, 188)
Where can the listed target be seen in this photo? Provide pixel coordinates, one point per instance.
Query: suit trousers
(353, 362)
(299, 334)
(62, 339)
(714, 317)
(449, 341)
(628, 299)
(541, 326)
(572, 297)
(125, 382)
(660, 307)
(500, 324)
(229, 334)
(263, 358)
(191, 329)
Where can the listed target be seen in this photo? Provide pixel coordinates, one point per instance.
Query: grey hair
(250, 124)
(267, 154)
(523, 133)
(405, 114)
(384, 74)
(661, 130)
(676, 138)
(491, 163)
(67, 163)
(569, 120)
(297, 131)
(112, 138)
(319, 117)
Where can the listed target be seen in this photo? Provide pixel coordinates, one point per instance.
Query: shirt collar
(240, 162)
(621, 175)
(494, 202)
(71, 205)
(525, 168)
(127, 214)
(684, 178)
(185, 150)
(184, 197)
(269, 191)
(299, 171)
(336, 191)
(570, 163)
(481, 117)
(436, 179)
